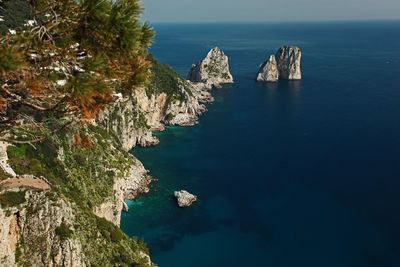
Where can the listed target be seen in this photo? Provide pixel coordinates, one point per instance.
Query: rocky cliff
(268, 71)
(76, 223)
(59, 227)
(127, 186)
(30, 233)
(284, 65)
(213, 69)
(288, 60)
(166, 100)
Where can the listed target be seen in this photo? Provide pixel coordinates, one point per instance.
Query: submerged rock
(268, 71)
(288, 61)
(213, 69)
(184, 198)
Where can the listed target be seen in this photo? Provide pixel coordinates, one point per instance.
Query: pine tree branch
(40, 139)
(21, 100)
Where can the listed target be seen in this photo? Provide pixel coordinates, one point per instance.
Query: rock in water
(268, 71)
(125, 206)
(184, 198)
(213, 69)
(288, 60)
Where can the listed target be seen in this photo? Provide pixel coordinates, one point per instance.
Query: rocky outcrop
(284, 65)
(134, 118)
(126, 187)
(268, 71)
(213, 69)
(201, 92)
(288, 59)
(184, 111)
(128, 121)
(184, 198)
(29, 234)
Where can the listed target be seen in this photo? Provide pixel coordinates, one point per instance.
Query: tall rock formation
(213, 69)
(284, 65)
(268, 71)
(288, 60)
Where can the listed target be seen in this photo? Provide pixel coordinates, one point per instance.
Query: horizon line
(274, 22)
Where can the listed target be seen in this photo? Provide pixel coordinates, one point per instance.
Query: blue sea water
(287, 174)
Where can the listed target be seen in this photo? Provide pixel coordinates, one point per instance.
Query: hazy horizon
(190, 11)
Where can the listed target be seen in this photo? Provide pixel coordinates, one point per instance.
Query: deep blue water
(288, 174)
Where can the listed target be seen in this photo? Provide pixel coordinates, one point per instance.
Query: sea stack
(268, 71)
(213, 69)
(288, 60)
(284, 65)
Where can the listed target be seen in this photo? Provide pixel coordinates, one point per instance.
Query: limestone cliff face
(152, 107)
(134, 118)
(213, 69)
(288, 59)
(125, 187)
(128, 121)
(159, 112)
(29, 234)
(268, 71)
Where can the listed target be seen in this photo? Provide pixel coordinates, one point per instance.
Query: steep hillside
(90, 173)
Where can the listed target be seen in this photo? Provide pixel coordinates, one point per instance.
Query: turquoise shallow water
(287, 174)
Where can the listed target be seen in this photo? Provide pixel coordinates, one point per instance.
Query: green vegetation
(63, 231)
(4, 175)
(80, 52)
(25, 159)
(85, 176)
(112, 247)
(225, 75)
(15, 14)
(109, 230)
(164, 79)
(212, 70)
(124, 114)
(12, 199)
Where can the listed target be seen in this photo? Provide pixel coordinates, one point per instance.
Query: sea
(287, 174)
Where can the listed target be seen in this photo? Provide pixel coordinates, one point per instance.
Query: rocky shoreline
(157, 114)
(63, 232)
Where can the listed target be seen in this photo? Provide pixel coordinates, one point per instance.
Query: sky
(269, 10)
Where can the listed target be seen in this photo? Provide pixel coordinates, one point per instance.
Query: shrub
(116, 235)
(12, 199)
(17, 151)
(109, 230)
(63, 232)
(4, 175)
